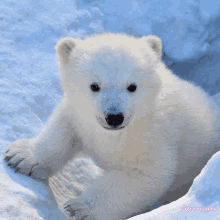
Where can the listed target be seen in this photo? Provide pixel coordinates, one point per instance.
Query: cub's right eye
(95, 87)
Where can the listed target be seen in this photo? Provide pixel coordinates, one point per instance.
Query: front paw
(77, 209)
(20, 157)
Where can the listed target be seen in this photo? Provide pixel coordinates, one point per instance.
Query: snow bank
(201, 202)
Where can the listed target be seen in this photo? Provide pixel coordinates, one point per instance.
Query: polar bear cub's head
(110, 78)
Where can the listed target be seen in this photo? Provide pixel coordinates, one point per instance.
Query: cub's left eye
(132, 88)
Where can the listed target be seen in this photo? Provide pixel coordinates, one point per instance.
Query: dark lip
(114, 128)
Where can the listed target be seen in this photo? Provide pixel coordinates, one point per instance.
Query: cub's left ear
(155, 43)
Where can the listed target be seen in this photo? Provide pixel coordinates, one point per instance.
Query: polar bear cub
(148, 131)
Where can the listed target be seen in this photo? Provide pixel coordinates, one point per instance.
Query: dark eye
(95, 87)
(132, 88)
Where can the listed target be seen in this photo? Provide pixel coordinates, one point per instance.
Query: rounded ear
(64, 48)
(155, 43)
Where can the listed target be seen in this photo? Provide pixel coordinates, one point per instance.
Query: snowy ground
(204, 194)
(30, 84)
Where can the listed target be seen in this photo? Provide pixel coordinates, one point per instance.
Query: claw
(17, 170)
(6, 158)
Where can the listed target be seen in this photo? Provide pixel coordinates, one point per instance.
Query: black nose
(114, 120)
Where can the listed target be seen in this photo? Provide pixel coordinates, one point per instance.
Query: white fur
(170, 130)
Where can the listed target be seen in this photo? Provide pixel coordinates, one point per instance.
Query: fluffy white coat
(114, 153)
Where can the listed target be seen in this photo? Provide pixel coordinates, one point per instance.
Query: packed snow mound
(201, 202)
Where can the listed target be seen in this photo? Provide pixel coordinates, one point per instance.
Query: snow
(29, 81)
(204, 192)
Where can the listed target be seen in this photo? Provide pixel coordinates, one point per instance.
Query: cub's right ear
(64, 48)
